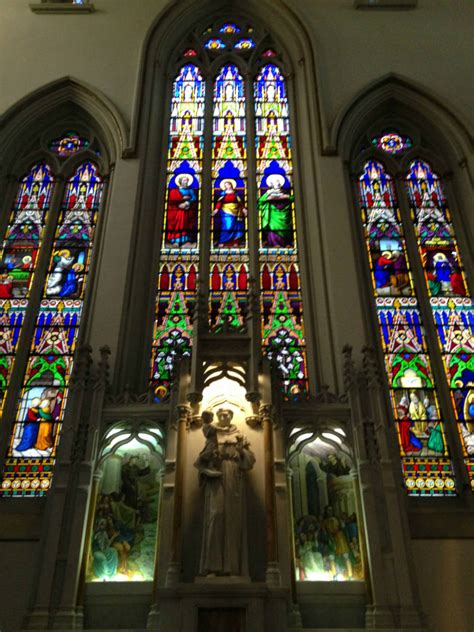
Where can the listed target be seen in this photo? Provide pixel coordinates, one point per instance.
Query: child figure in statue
(208, 459)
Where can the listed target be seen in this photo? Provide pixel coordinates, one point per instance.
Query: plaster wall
(444, 571)
(17, 570)
(430, 46)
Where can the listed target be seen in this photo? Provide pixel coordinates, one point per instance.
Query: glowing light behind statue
(424, 454)
(449, 297)
(176, 285)
(282, 325)
(229, 249)
(31, 455)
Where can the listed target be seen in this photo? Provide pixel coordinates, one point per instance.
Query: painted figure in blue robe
(442, 270)
(105, 557)
(383, 271)
(71, 283)
(30, 427)
(231, 212)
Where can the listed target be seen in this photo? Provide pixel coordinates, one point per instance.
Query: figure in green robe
(276, 214)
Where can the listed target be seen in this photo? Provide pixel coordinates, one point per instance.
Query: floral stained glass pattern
(69, 143)
(450, 301)
(392, 143)
(425, 458)
(176, 291)
(19, 256)
(282, 328)
(32, 451)
(229, 250)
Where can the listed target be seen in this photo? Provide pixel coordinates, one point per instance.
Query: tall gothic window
(45, 263)
(424, 313)
(229, 218)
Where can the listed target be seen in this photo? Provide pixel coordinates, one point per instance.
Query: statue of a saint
(222, 464)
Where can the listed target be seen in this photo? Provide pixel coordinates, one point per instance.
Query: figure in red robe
(181, 217)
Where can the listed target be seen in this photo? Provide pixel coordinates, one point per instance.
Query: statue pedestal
(261, 607)
(222, 579)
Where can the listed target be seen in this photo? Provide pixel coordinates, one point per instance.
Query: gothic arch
(149, 140)
(394, 95)
(182, 15)
(61, 99)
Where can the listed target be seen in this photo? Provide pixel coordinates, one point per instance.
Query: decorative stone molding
(254, 421)
(80, 372)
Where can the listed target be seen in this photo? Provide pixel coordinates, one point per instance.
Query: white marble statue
(222, 465)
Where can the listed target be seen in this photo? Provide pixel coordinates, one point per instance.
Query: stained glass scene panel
(423, 448)
(451, 303)
(19, 255)
(31, 456)
(177, 277)
(282, 324)
(229, 250)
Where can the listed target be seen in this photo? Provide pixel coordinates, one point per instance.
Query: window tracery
(247, 228)
(45, 267)
(423, 304)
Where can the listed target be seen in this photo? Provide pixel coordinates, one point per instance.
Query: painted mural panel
(125, 522)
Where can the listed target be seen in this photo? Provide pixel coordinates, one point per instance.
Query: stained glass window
(392, 142)
(40, 410)
(240, 232)
(244, 44)
(69, 143)
(19, 257)
(176, 287)
(426, 463)
(214, 44)
(450, 301)
(282, 325)
(229, 249)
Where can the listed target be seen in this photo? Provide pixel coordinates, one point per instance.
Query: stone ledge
(394, 5)
(61, 8)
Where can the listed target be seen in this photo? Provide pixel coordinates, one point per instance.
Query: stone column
(272, 573)
(174, 567)
(397, 556)
(390, 583)
(294, 616)
(60, 504)
(83, 497)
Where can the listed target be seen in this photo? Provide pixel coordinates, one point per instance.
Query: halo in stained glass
(214, 44)
(245, 44)
(229, 28)
(392, 142)
(69, 143)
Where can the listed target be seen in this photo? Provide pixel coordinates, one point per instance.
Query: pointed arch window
(425, 317)
(229, 219)
(44, 272)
